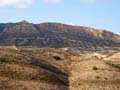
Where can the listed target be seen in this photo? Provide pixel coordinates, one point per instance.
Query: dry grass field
(58, 69)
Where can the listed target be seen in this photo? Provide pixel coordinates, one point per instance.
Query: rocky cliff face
(55, 35)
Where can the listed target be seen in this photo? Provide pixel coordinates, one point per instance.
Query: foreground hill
(55, 35)
(58, 69)
(33, 69)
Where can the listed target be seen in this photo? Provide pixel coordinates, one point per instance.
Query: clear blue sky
(101, 14)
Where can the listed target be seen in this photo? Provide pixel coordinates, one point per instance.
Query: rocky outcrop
(55, 35)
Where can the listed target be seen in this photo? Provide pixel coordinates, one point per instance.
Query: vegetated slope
(55, 35)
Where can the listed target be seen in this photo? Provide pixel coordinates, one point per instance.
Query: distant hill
(55, 35)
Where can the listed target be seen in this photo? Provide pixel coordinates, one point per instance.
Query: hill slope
(57, 69)
(33, 69)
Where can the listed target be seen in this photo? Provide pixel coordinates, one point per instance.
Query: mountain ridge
(55, 35)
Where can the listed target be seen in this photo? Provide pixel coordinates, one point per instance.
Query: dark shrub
(97, 77)
(57, 57)
(95, 68)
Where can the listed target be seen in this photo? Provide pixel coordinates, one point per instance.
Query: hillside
(33, 69)
(55, 35)
(58, 69)
(93, 72)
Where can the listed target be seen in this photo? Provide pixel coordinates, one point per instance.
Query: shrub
(98, 77)
(95, 68)
(3, 59)
(57, 58)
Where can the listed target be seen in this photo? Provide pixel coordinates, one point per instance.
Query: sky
(100, 14)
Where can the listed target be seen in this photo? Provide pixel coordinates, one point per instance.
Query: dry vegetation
(58, 69)
(33, 69)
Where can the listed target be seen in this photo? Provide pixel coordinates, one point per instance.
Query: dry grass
(58, 69)
(33, 69)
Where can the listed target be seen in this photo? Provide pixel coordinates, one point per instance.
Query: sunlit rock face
(55, 35)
